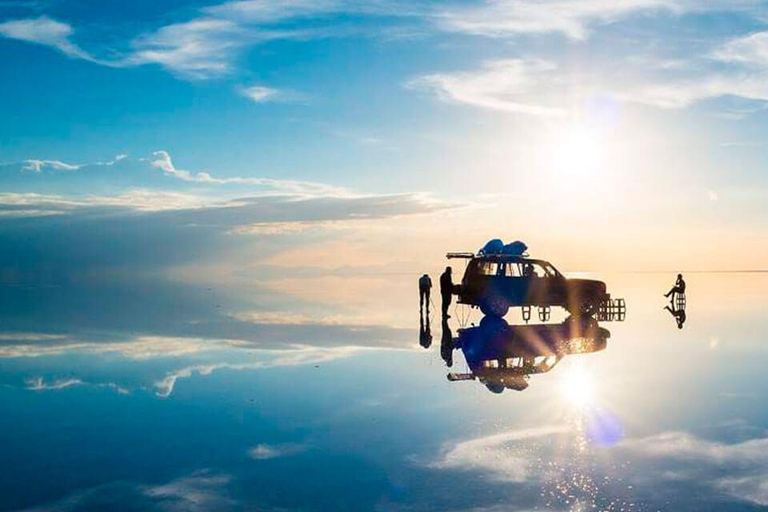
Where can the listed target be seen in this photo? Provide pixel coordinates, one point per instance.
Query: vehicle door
(512, 284)
(542, 285)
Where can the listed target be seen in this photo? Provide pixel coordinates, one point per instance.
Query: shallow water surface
(661, 419)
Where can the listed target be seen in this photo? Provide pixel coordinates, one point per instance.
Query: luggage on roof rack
(496, 246)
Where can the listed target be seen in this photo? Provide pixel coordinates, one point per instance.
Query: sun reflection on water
(576, 386)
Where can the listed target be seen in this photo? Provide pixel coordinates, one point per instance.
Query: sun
(579, 154)
(576, 386)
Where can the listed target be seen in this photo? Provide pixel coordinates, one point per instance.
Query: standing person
(446, 290)
(678, 288)
(425, 286)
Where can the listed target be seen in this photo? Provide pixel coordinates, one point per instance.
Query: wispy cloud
(39, 384)
(162, 160)
(498, 18)
(143, 172)
(140, 348)
(44, 31)
(56, 165)
(274, 451)
(297, 357)
(201, 48)
(512, 85)
(481, 454)
(666, 462)
(200, 491)
(208, 46)
(262, 94)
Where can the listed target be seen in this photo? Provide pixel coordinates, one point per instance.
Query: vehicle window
(512, 270)
(488, 268)
(550, 269)
(538, 270)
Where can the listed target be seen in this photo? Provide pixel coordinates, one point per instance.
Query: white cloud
(35, 205)
(140, 348)
(512, 85)
(541, 88)
(678, 459)
(207, 46)
(262, 94)
(55, 165)
(200, 491)
(751, 50)
(497, 18)
(675, 94)
(39, 384)
(738, 469)
(200, 48)
(44, 31)
(274, 451)
(162, 160)
(270, 12)
(484, 454)
(296, 357)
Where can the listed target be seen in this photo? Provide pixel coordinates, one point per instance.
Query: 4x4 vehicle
(496, 282)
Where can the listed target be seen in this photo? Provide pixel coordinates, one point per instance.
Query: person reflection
(446, 344)
(425, 332)
(679, 315)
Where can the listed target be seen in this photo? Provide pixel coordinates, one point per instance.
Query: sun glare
(579, 154)
(576, 386)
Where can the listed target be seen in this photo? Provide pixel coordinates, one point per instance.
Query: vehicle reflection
(503, 356)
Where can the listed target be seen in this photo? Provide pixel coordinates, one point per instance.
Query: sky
(261, 146)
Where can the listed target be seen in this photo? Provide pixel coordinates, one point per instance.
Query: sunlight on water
(576, 386)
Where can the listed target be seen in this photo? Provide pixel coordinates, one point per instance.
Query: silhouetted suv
(496, 282)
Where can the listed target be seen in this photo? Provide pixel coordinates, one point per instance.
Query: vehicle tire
(494, 306)
(583, 307)
(588, 307)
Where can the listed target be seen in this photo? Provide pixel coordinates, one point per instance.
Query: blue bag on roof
(516, 248)
(494, 246)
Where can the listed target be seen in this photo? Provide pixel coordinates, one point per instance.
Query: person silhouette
(425, 286)
(425, 333)
(446, 290)
(446, 344)
(679, 315)
(679, 287)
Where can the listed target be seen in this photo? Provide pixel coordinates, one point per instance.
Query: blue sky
(353, 93)
(244, 144)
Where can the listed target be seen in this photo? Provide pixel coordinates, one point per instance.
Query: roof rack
(460, 255)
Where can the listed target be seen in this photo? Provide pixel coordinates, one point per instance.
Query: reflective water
(660, 418)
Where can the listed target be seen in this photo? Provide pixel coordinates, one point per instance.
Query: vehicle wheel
(584, 307)
(494, 306)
